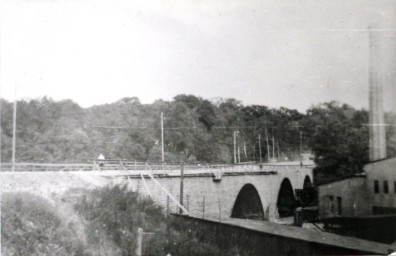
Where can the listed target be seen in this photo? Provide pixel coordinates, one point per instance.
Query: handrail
(140, 166)
(46, 164)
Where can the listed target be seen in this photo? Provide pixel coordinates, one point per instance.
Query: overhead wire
(195, 127)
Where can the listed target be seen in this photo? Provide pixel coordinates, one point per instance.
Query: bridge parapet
(43, 167)
(153, 167)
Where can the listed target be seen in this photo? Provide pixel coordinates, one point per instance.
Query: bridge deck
(312, 236)
(142, 166)
(188, 173)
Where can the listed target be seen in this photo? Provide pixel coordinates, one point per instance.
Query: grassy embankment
(102, 221)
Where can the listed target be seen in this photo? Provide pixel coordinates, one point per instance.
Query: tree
(338, 138)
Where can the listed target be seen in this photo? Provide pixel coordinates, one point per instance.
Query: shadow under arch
(307, 182)
(308, 195)
(286, 202)
(248, 204)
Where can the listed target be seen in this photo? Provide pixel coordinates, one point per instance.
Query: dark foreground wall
(249, 242)
(380, 228)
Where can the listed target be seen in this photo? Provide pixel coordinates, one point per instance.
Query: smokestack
(376, 112)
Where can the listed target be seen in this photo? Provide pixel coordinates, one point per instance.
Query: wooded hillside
(50, 131)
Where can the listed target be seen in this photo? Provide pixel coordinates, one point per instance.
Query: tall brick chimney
(376, 112)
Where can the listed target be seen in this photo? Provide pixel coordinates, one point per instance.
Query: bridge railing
(33, 167)
(113, 165)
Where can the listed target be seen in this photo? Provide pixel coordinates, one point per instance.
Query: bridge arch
(248, 204)
(309, 195)
(307, 182)
(286, 202)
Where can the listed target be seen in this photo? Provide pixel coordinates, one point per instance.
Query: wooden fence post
(139, 242)
(167, 206)
(219, 210)
(203, 208)
(177, 207)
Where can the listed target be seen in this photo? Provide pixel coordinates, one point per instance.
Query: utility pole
(181, 181)
(301, 133)
(259, 139)
(162, 136)
(268, 150)
(239, 156)
(273, 144)
(235, 149)
(244, 149)
(277, 144)
(14, 131)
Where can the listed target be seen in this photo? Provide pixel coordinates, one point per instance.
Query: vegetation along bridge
(266, 191)
(227, 195)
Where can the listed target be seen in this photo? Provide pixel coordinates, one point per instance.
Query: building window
(386, 188)
(376, 186)
(332, 210)
(339, 205)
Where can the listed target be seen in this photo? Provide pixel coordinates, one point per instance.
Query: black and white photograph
(198, 128)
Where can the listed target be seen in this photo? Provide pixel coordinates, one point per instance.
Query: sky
(286, 53)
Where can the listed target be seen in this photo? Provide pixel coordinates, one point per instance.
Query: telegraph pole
(268, 150)
(273, 145)
(181, 182)
(14, 131)
(277, 145)
(259, 139)
(301, 133)
(239, 156)
(235, 147)
(244, 149)
(162, 136)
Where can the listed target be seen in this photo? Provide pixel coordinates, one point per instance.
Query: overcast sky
(274, 53)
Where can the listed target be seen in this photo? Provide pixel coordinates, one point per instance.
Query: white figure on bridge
(101, 160)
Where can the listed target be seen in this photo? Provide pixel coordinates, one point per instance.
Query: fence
(121, 165)
(97, 165)
(33, 167)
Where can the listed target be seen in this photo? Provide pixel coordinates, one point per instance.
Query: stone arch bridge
(244, 191)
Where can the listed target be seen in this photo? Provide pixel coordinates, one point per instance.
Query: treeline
(50, 131)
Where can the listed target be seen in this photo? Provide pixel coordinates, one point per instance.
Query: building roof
(357, 175)
(380, 160)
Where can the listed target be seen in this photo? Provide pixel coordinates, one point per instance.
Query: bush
(118, 213)
(30, 225)
(104, 222)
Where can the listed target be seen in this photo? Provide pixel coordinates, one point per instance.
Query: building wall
(382, 171)
(353, 194)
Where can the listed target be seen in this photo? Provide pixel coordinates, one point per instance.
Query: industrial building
(364, 205)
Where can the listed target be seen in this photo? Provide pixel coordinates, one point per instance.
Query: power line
(213, 127)
(187, 127)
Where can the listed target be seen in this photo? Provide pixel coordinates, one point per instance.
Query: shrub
(30, 225)
(118, 213)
